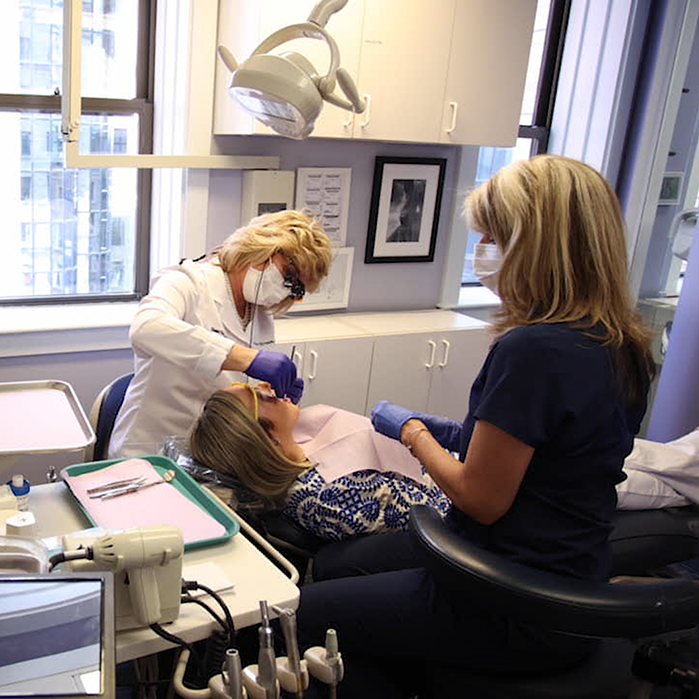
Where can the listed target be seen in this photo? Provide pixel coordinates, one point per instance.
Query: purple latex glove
(388, 418)
(296, 391)
(275, 368)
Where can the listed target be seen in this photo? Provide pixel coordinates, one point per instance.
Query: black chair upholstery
(647, 540)
(611, 611)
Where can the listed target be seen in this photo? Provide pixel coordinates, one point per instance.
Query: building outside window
(539, 88)
(73, 234)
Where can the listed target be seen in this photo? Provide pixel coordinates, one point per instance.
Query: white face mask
(487, 260)
(264, 287)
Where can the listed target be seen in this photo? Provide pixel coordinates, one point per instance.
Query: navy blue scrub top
(553, 388)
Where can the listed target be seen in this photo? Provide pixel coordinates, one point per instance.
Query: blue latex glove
(275, 368)
(388, 418)
(296, 391)
(447, 432)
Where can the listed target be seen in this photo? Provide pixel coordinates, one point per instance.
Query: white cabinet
(423, 360)
(430, 372)
(483, 97)
(450, 71)
(335, 372)
(403, 63)
(459, 357)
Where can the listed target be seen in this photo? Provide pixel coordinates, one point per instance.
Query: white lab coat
(661, 474)
(181, 334)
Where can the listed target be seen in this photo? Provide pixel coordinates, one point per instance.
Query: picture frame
(404, 213)
(671, 188)
(334, 290)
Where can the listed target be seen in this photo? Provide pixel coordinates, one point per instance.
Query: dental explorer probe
(292, 672)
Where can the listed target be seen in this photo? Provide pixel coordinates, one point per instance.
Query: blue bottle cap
(19, 485)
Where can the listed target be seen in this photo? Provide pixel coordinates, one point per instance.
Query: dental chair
(646, 628)
(298, 545)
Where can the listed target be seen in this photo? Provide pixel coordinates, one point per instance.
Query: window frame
(540, 130)
(142, 106)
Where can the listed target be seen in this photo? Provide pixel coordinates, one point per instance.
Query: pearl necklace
(245, 318)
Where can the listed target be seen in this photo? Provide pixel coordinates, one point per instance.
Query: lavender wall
(375, 287)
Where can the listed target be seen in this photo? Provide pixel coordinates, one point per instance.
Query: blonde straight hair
(560, 228)
(227, 438)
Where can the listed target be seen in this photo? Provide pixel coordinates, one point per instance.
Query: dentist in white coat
(205, 323)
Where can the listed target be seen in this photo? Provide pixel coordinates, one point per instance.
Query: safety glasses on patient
(259, 394)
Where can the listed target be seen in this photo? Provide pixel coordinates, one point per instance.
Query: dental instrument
(114, 484)
(261, 680)
(135, 487)
(292, 671)
(325, 664)
(147, 563)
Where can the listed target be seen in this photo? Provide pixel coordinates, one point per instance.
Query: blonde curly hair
(296, 235)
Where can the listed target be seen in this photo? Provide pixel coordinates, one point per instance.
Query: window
(75, 234)
(537, 105)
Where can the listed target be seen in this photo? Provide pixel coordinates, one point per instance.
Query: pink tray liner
(158, 505)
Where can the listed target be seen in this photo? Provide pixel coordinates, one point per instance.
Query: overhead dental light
(284, 91)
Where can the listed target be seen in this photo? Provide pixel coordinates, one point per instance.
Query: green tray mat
(183, 482)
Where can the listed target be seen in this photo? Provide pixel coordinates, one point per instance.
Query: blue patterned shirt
(364, 502)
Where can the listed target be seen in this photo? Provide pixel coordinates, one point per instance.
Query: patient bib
(340, 443)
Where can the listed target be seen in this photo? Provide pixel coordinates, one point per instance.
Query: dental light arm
(139, 551)
(284, 91)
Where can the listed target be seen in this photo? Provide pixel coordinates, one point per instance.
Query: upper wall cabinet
(450, 71)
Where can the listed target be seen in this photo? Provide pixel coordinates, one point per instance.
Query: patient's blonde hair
(560, 227)
(293, 233)
(228, 439)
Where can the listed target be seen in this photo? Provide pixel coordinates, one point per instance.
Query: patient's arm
(364, 502)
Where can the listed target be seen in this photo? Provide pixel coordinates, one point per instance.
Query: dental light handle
(139, 551)
(325, 664)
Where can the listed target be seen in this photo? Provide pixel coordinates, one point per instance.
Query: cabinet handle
(454, 110)
(433, 349)
(296, 358)
(367, 111)
(445, 357)
(314, 365)
(348, 123)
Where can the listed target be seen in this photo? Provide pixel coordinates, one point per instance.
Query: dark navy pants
(395, 624)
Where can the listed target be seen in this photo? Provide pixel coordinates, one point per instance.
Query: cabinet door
(487, 68)
(403, 64)
(401, 369)
(336, 373)
(459, 357)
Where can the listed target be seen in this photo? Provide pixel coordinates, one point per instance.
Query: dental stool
(643, 626)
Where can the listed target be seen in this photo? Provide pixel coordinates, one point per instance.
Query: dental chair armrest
(549, 600)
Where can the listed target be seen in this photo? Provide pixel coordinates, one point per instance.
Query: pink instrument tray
(139, 508)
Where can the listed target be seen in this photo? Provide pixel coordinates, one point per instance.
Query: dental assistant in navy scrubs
(552, 416)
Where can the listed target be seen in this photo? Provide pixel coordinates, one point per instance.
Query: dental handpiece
(266, 662)
(287, 619)
(234, 673)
